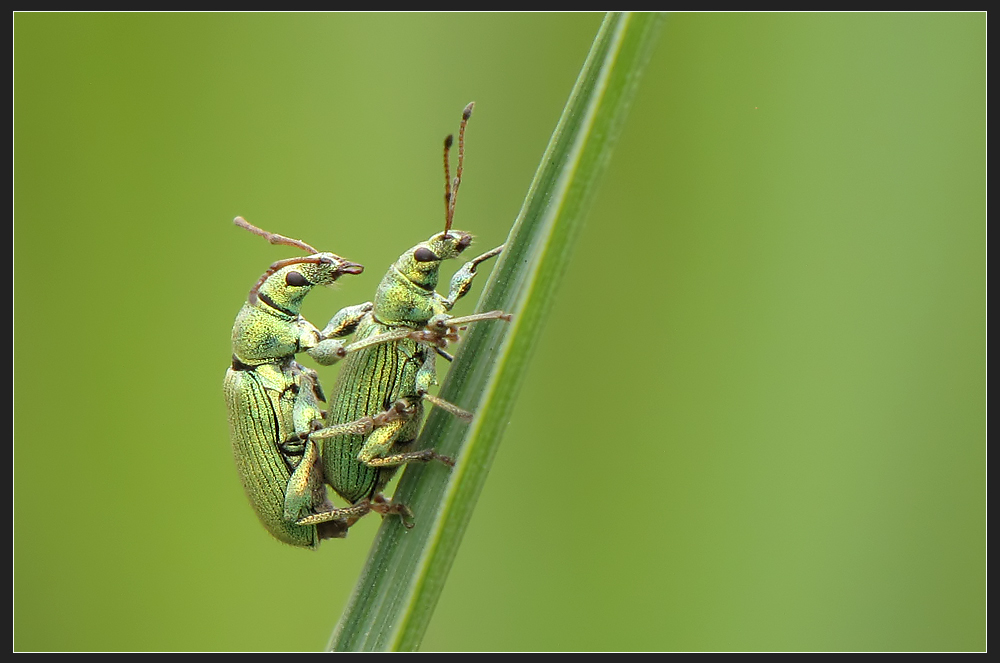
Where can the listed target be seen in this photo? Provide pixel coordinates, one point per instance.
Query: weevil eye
(296, 279)
(423, 254)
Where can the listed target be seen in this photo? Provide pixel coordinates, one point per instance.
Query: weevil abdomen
(261, 403)
(370, 382)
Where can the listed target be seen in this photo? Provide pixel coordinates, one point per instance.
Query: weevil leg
(386, 507)
(380, 505)
(475, 317)
(381, 441)
(440, 329)
(362, 426)
(308, 397)
(422, 456)
(376, 339)
(443, 328)
(348, 514)
(329, 350)
(462, 280)
(305, 495)
(305, 500)
(427, 374)
(448, 407)
(346, 320)
(401, 410)
(333, 529)
(427, 377)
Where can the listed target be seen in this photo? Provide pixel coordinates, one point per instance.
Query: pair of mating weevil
(287, 449)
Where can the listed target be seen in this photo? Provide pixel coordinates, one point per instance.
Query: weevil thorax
(407, 294)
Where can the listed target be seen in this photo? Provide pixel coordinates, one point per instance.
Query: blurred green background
(755, 420)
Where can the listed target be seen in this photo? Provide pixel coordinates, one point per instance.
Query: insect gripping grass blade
(399, 586)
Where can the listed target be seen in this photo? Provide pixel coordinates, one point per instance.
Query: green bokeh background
(755, 419)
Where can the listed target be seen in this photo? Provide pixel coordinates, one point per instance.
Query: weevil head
(422, 263)
(287, 282)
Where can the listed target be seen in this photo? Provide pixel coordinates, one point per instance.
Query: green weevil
(274, 402)
(377, 403)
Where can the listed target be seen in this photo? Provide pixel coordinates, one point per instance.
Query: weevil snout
(331, 267)
(450, 244)
(351, 268)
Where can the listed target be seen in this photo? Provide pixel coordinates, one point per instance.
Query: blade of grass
(406, 570)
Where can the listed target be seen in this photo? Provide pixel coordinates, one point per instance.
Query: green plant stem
(406, 570)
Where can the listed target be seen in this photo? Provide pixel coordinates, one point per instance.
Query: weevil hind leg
(344, 517)
(306, 501)
(336, 528)
(305, 493)
(386, 507)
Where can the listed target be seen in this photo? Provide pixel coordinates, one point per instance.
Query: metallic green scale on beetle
(370, 381)
(274, 402)
(284, 451)
(373, 379)
(391, 366)
(263, 405)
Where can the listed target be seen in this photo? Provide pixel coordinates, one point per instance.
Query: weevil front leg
(331, 350)
(462, 280)
(328, 350)
(346, 320)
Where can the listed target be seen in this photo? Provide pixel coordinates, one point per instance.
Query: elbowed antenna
(451, 187)
(274, 238)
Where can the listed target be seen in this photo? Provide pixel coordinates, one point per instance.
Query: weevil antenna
(447, 185)
(273, 238)
(466, 114)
